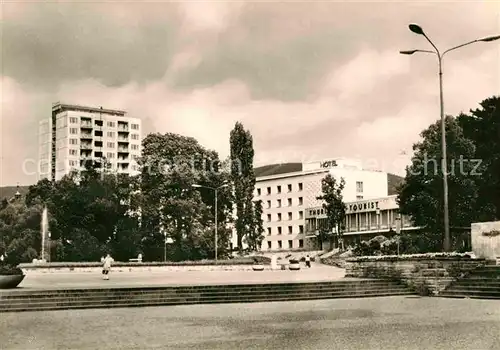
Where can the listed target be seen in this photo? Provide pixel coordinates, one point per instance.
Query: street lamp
(418, 30)
(215, 189)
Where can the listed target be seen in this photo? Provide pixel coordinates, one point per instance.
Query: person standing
(308, 261)
(106, 266)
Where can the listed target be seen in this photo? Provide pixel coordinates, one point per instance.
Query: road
(374, 323)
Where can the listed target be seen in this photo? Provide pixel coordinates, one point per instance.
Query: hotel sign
(364, 206)
(328, 164)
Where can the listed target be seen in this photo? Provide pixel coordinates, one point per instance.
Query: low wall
(485, 239)
(426, 274)
(134, 267)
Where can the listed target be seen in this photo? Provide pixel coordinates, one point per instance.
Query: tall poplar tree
(242, 173)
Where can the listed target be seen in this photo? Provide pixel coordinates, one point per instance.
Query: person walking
(308, 261)
(106, 266)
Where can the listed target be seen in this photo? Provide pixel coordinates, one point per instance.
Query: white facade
(77, 134)
(286, 197)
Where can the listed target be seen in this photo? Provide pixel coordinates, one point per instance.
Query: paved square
(40, 280)
(372, 323)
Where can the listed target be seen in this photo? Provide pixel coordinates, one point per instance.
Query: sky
(310, 80)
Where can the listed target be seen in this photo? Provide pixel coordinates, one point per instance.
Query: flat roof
(69, 107)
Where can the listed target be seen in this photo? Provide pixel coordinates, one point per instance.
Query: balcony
(86, 146)
(86, 125)
(86, 136)
(123, 139)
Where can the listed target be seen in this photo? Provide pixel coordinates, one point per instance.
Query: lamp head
(408, 52)
(490, 38)
(197, 186)
(415, 28)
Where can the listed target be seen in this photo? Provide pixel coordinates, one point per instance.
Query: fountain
(44, 228)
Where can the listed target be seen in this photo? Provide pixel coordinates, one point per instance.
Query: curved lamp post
(418, 30)
(215, 189)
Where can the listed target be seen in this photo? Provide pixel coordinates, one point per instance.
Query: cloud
(310, 80)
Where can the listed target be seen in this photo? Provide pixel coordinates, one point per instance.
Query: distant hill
(9, 191)
(393, 181)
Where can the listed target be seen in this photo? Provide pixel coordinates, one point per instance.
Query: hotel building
(293, 216)
(75, 134)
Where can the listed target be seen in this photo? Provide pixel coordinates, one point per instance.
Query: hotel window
(289, 202)
(258, 192)
(280, 244)
(359, 186)
(269, 204)
(73, 141)
(135, 147)
(278, 205)
(301, 214)
(268, 231)
(300, 186)
(73, 152)
(290, 216)
(290, 188)
(279, 230)
(301, 201)
(290, 230)
(278, 188)
(110, 155)
(269, 190)
(301, 228)
(73, 120)
(301, 243)
(72, 163)
(111, 134)
(73, 131)
(269, 245)
(134, 126)
(268, 217)
(279, 216)
(111, 124)
(290, 244)
(134, 136)
(359, 198)
(111, 145)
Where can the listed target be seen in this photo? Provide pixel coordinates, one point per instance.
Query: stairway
(482, 283)
(41, 300)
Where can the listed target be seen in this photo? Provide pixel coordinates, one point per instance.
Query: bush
(9, 270)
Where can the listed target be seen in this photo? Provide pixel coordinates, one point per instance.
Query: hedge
(427, 256)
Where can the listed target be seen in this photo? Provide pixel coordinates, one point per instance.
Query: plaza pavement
(386, 323)
(39, 280)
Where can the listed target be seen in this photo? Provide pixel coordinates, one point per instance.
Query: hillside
(393, 181)
(9, 191)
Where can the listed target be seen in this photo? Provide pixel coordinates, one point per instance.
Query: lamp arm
(459, 46)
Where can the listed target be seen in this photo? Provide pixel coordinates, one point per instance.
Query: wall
(486, 246)
(434, 274)
(96, 268)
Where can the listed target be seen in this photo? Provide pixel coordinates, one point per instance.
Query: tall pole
(216, 233)
(444, 162)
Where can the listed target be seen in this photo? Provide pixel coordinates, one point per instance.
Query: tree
(421, 194)
(254, 236)
(482, 127)
(242, 172)
(334, 205)
(171, 164)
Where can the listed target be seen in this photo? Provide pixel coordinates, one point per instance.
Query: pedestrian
(106, 266)
(308, 261)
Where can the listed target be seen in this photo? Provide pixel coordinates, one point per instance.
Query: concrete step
(471, 293)
(19, 293)
(181, 294)
(129, 297)
(121, 303)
